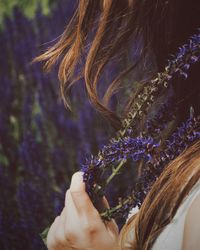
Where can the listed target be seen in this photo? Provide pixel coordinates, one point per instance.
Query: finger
(77, 183)
(80, 198)
(68, 201)
(84, 205)
(74, 234)
(88, 214)
(51, 241)
(110, 225)
(105, 203)
(60, 231)
(102, 204)
(70, 209)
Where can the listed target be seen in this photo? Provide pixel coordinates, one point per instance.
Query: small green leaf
(43, 235)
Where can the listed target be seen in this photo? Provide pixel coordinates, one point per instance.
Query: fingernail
(77, 183)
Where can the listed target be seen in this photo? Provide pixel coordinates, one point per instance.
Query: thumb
(77, 184)
(80, 198)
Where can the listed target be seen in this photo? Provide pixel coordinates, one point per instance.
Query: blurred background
(41, 143)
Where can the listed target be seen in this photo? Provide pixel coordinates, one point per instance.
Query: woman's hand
(79, 227)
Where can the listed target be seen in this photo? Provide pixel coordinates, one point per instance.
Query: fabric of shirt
(171, 237)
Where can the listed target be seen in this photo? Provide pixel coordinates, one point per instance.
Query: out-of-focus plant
(41, 143)
(29, 8)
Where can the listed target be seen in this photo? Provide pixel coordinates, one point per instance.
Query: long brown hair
(101, 31)
(162, 202)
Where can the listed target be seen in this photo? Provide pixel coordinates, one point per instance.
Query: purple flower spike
(182, 138)
(134, 148)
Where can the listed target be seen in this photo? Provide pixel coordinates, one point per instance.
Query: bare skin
(191, 238)
(79, 227)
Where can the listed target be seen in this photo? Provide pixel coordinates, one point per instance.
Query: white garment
(172, 236)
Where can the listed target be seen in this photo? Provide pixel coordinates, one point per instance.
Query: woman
(100, 32)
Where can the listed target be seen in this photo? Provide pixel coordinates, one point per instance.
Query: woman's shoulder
(191, 236)
(173, 235)
(192, 196)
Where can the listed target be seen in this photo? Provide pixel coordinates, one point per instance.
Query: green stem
(108, 214)
(115, 171)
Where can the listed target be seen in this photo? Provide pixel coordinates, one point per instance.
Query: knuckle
(70, 236)
(89, 228)
(59, 237)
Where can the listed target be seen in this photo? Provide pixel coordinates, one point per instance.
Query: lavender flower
(163, 116)
(117, 151)
(178, 65)
(38, 136)
(182, 138)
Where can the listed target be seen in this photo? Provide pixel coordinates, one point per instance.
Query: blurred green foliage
(28, 7)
